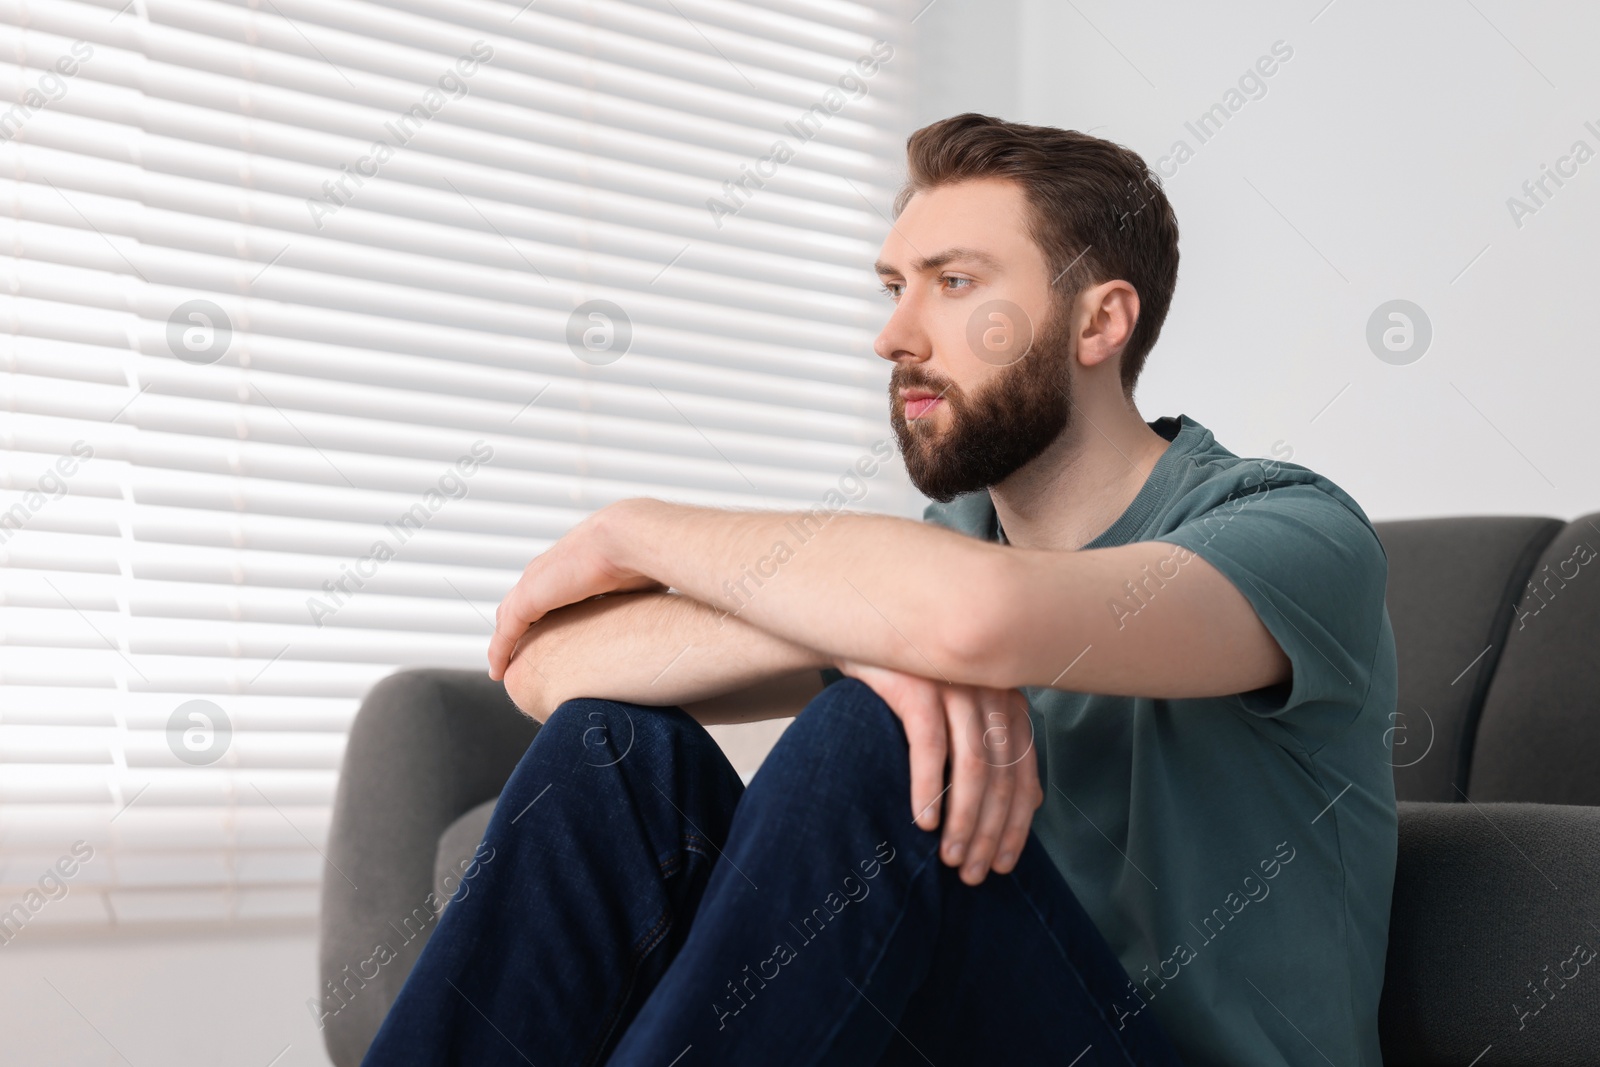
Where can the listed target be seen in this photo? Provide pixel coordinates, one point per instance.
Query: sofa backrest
(1452, 585)
(1538, 736)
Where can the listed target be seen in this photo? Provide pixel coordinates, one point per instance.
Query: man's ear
(1106, 316)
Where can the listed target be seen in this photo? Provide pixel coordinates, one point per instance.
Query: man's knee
(604, 733)
(848, 726)
(853, 703)
(663, 744)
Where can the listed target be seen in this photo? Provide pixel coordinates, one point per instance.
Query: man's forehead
(957, 223)
(955, 255)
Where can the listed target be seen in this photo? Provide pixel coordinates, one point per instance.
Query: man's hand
(578, 566)
(987, 737)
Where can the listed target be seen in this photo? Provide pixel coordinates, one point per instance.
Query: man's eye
(890, 289)
(967, 280)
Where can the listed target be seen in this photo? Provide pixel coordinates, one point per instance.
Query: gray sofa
(1497, 754)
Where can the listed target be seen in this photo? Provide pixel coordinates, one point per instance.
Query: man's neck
(1073, 491)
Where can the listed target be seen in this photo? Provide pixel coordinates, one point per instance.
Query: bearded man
(1089, 767)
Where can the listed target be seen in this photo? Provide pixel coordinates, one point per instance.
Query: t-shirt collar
(1180, 431)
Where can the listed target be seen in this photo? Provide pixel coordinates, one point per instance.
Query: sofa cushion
(457, 845)
(1539, 734)
(1451, 585)
(1493, 937)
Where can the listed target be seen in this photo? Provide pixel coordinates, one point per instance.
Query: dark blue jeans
(635, 904)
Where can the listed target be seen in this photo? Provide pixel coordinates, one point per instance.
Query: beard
(991, 433)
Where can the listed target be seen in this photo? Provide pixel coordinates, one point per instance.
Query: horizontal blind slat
(266, 534)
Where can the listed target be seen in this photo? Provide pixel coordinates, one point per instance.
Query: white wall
(215, 999)
(1376, 166)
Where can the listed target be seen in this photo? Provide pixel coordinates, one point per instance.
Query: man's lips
(919, 402)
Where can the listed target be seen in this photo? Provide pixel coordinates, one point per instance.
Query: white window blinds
(322, 316)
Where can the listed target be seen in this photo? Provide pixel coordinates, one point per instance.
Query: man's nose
(900, 341)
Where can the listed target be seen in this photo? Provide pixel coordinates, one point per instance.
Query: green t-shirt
(1237, 852)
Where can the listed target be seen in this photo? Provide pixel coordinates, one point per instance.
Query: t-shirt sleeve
(831, 675)
(1315, 572)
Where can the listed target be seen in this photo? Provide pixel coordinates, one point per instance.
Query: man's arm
(659, 649)
(921, 599)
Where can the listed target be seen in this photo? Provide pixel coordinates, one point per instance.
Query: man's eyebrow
(934, 262)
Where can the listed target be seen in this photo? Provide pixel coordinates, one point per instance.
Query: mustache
(907, 376)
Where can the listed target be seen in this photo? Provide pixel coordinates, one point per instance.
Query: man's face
(981, 382)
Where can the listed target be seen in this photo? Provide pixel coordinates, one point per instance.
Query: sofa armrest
(426, 746)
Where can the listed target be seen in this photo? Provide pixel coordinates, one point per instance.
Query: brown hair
(1097, 212)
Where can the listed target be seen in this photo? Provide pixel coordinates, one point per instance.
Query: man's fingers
(502, 644)
(512, 619)
(969, 777)
(1019, 820)
(995, 727)
(505, 634)
(991, 823)
(1029, 794)
(986, 738)
(923, 719)
(916, 703)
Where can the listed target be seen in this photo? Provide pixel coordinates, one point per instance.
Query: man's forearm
(877, 589)
(915, 597)
(655, 649)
